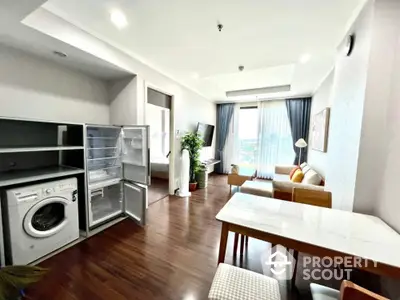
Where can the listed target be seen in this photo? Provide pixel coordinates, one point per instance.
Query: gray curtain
(299, 117)
(224, 116)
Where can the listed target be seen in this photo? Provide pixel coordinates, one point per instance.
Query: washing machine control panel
(28, 195)
(34, 194)
(65, 187)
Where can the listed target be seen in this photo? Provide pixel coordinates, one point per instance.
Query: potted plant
(193, 143)
(14, 279)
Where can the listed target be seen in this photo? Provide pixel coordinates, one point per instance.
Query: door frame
(147, 85)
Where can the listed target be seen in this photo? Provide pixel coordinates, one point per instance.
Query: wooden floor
(173, 257)
(158, 189)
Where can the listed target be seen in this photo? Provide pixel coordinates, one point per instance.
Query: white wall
(188, 113)
(321, 100)
(123, 101)
(34, 88)
(348, 95)
(376, 186)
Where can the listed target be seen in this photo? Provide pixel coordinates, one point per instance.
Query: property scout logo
(281, 264)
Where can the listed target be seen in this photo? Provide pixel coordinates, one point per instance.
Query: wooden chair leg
(247, 241)
(296, 257)
(235, 244)
(241, 244)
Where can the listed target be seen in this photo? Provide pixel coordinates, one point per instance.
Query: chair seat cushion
(233, 283)
(320, 292)
(258, 188)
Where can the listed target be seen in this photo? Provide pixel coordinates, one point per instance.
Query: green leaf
(15, 278)
(193, 143)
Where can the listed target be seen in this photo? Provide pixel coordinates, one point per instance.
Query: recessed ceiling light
(118, 18)
(305, 58)
(60, 54)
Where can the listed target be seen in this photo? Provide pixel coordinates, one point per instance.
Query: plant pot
(192, 186)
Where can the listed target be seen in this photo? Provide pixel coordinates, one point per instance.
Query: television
(206, 132)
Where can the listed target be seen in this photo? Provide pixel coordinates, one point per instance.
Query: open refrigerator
(118, 172)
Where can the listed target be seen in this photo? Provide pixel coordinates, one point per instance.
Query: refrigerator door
(136, 154)
(135, 202)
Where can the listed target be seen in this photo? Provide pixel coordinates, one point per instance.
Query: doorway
(158, 117)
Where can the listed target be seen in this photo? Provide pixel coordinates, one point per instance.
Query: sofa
(283, 186)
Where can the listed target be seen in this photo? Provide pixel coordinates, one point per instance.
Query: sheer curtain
(231, 151)
(274, 138)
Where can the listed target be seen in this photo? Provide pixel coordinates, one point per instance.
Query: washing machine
(40, 219)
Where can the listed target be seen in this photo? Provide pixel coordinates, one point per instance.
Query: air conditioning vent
(259, 91)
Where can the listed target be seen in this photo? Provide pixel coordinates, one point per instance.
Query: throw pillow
(293, 170)
(298, 176)
(306, 169)
(312, 177)
(303, 165)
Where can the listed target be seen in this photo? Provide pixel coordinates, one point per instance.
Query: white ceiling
(15, 34)
(180, 38)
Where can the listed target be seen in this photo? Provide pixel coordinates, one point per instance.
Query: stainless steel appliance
(118, 172)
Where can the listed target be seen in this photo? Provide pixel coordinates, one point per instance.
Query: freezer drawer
(105, 203)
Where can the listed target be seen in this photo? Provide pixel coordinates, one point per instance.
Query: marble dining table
(314, 230)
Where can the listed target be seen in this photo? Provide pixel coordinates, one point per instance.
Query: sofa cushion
(284, 169)
(306, 169)
(298, 176)
(257, 188)
(281, 177)
(287, 186)
(293, 171)
(303, 165)
(312, 177)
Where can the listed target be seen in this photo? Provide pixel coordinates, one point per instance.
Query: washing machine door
(46, 218)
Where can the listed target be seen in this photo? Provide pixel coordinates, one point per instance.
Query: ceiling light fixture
(60, 54)
(118, 18)
(305, 58)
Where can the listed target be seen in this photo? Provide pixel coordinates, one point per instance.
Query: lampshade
(301, 143)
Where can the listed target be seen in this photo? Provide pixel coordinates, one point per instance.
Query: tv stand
(203, 182)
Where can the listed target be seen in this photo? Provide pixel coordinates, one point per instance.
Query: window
(248, 136)
(158, 119)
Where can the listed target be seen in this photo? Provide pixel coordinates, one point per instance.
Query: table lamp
(301, 143)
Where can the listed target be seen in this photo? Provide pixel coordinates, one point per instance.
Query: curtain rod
(268, 99)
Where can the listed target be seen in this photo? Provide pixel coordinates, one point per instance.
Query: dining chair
(310, 197)
(348, 291)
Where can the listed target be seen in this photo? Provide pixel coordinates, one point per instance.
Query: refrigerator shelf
(100, 158)
(102, 148)
(102, 137)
